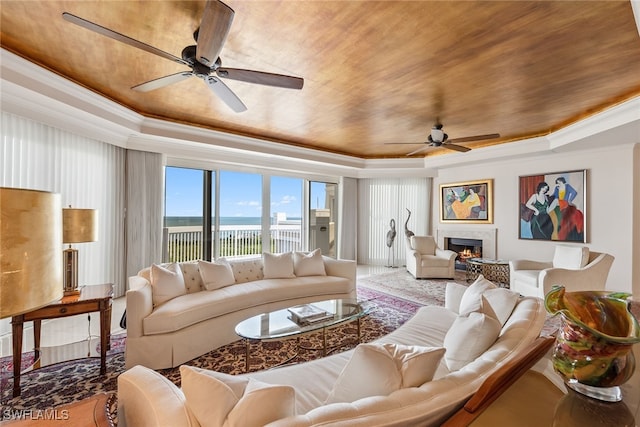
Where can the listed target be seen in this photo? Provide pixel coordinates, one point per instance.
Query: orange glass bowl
(593, 347)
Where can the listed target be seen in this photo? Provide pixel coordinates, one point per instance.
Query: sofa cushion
(377, 369)
(433, 261)
(219, 399)
(216, 275)
(192, 278)
(310, 264)
(528, 277)
(166, 283)
(190, 309)
(247, 270)
(468, 338)
(571, 257)
(278, 266)
(471, 299)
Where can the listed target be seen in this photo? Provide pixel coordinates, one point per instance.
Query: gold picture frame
(467, 202)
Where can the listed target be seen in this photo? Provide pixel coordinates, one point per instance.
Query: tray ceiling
(376, 73)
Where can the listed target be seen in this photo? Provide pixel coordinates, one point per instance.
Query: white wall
(610, 205)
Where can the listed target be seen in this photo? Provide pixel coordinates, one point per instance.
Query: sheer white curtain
(145, 196)
(382, 199)
(348, 218)
(86, 172)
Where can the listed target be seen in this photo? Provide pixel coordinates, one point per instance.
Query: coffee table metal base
(324, 349)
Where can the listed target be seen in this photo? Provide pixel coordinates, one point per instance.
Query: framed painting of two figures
(552, 206)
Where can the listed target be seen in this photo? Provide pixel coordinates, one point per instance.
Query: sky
(240, 194)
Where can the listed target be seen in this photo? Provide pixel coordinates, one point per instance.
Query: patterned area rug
(400, 283)
(393, 298)
(61, 383)
(71, 381)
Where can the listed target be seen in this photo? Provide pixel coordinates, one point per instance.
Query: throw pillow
(278, 266)
(216, 275)
(310, 264)
(570, 257)
(386, 368)
(453, 296)
(166, 283)
(217, 399)
(469, 337)
(502, 302)
(471, 299)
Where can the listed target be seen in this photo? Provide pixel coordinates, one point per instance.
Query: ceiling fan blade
(455, 147)
(404, 143)
(214, 28)
(162, 81)
(419, 150)
(475, 138)
(226, 94)
(121, 37)
(260, 77)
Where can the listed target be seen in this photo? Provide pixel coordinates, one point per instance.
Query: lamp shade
(79, 225)
(30, 256)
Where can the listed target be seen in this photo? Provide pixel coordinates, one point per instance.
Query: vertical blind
(87, 173)
(145, 194)
(382, 199)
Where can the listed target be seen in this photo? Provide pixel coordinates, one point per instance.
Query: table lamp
(78, 226)
(30, 259)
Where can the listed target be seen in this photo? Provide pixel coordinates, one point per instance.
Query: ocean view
(186, 221)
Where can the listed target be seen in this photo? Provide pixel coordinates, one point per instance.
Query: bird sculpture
(408, 233)
(391, 236)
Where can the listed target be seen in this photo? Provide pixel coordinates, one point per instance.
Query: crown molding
(36, 93)
(615, 126)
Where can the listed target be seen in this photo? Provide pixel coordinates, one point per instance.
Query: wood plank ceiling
(376, 72)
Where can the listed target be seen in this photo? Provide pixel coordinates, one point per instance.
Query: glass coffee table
(279, 324)
(496, 270)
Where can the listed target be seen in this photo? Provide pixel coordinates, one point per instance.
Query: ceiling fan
(438, 138)
(203, 57)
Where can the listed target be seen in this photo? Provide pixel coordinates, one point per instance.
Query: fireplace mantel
(487, 235)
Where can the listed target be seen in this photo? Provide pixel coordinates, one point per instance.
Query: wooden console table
(92, 298)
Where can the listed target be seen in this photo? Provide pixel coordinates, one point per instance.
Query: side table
(91, 298)
(496, 270)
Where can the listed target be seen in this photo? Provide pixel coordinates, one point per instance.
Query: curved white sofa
(146, 398)
(201, 320)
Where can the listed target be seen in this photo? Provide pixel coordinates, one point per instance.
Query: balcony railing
(185, 243)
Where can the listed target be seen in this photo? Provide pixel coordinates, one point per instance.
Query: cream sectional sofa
(347, 388)
(165, 331)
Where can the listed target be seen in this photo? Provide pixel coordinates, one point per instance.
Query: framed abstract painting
(553, 206)
(467, 202)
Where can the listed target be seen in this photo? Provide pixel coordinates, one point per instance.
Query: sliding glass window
(240, 214)
(323, 217)
(183, 217)
(286, 214)
(214, 214)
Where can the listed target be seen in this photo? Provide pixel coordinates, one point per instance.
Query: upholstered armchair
(575, 268)
(426, 260)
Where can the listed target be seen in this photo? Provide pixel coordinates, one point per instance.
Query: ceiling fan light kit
(437, 138)
(203, 57)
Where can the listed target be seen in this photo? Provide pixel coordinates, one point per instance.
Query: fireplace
(465, 248)
(487, 237)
